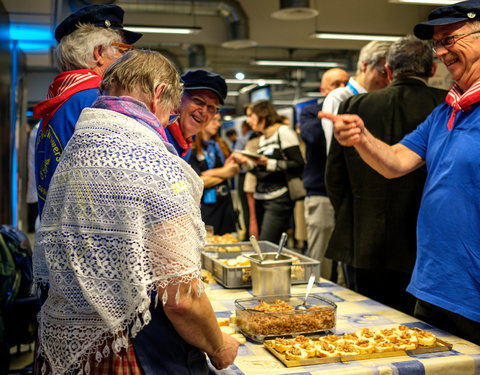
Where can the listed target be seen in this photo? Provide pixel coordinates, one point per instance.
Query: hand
(347, 129)
(237, 158)
(225, 355)
(262, 160)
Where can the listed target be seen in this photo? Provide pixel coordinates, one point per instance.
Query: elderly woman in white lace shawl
(121, 231)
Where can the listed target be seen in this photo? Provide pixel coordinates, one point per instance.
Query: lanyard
(352, 89)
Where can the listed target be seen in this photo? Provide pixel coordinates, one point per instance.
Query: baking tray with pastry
(365, 343)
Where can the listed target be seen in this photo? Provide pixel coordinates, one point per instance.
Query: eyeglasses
(123, 48)
(449, 41)
(381, 70)
(202, 103)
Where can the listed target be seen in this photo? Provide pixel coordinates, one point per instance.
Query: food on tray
(364, 341)
(223, 322)
(228, 326)
(240, 338)
(280, 317)
(225, 238)
(295, 353)
(207, 277)
(239, 261)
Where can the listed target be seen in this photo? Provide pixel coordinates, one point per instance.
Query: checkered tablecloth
(354, 311)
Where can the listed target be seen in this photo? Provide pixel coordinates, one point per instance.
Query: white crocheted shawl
(122, 219)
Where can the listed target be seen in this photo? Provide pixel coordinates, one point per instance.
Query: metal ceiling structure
(234, 33)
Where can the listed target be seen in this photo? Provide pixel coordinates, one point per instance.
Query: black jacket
(376, 217)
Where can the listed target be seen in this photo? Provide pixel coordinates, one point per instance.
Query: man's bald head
(332, 79)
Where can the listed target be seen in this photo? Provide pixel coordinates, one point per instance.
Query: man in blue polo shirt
(445, 279)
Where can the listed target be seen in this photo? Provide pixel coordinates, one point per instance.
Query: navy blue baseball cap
(109, 16)
(199, 79)
(463, 11)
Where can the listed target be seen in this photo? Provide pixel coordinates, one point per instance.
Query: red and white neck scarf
(62, 88)
(460, 100)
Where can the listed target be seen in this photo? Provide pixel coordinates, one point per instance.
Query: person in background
(370, 76)
(209, 158)
(89, 41)
(240, 145)
(232, 137)
(445, 278)
(31, 197)
(273, 206)
(319, 217)
(375, 231)
(121, 231)
(203, 94)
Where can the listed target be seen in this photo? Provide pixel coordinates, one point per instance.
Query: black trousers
(384, 286)
(448, 321)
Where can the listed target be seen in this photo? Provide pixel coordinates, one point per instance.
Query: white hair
(75, 51)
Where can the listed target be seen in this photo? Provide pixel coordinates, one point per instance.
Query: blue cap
(463, 11)
(200, 79)
(108, 16)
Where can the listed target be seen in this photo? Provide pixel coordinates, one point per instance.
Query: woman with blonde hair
(120, 240)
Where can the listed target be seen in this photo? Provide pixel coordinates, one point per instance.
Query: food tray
(440, 346)
(240, 276)
(259, 325)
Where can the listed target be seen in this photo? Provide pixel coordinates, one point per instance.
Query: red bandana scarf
(462, 101)
(63, 87)
(176, 133)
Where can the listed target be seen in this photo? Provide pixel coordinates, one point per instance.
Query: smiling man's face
(462, 58)
(194, 117)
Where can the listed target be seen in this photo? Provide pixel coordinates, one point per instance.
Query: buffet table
(354, 311)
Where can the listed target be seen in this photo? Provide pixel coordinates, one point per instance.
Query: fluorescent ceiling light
(314, 94)
(296, 63)
(164, 29)
(344, 36)
(256, 81)
(426, 2)
(233, 93)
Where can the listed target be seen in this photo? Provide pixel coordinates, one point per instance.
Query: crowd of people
(130, 167)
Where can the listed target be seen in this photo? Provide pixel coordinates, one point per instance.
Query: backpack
(18, 309)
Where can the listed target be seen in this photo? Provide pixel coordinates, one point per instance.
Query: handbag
(294, 182)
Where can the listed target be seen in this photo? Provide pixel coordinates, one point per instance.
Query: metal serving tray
(240, 276)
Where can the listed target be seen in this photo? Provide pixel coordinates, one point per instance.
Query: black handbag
(294, 181)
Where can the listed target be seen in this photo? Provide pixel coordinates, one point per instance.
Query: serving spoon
(256, 247)
(281, 245)
(303, 306)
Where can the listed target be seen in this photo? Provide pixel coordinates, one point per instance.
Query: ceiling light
(165, 29)
(426, 2)
(293, 10)
(314, 94)
(256, 81)
(344, 36)
(296, 63)
(245, 89)
(239, 43)
(240, 76)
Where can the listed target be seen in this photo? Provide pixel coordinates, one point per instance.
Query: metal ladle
(303, 306)
(283, 240)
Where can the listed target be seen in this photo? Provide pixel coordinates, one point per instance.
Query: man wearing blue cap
(445, 279)
(204, 92)
(89, 41)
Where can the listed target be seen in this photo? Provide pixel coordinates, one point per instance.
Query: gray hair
(75, 51)
(410, 56)
(143, 71)
(372, 53)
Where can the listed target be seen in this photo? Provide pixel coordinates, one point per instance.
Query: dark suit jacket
(376, 217)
